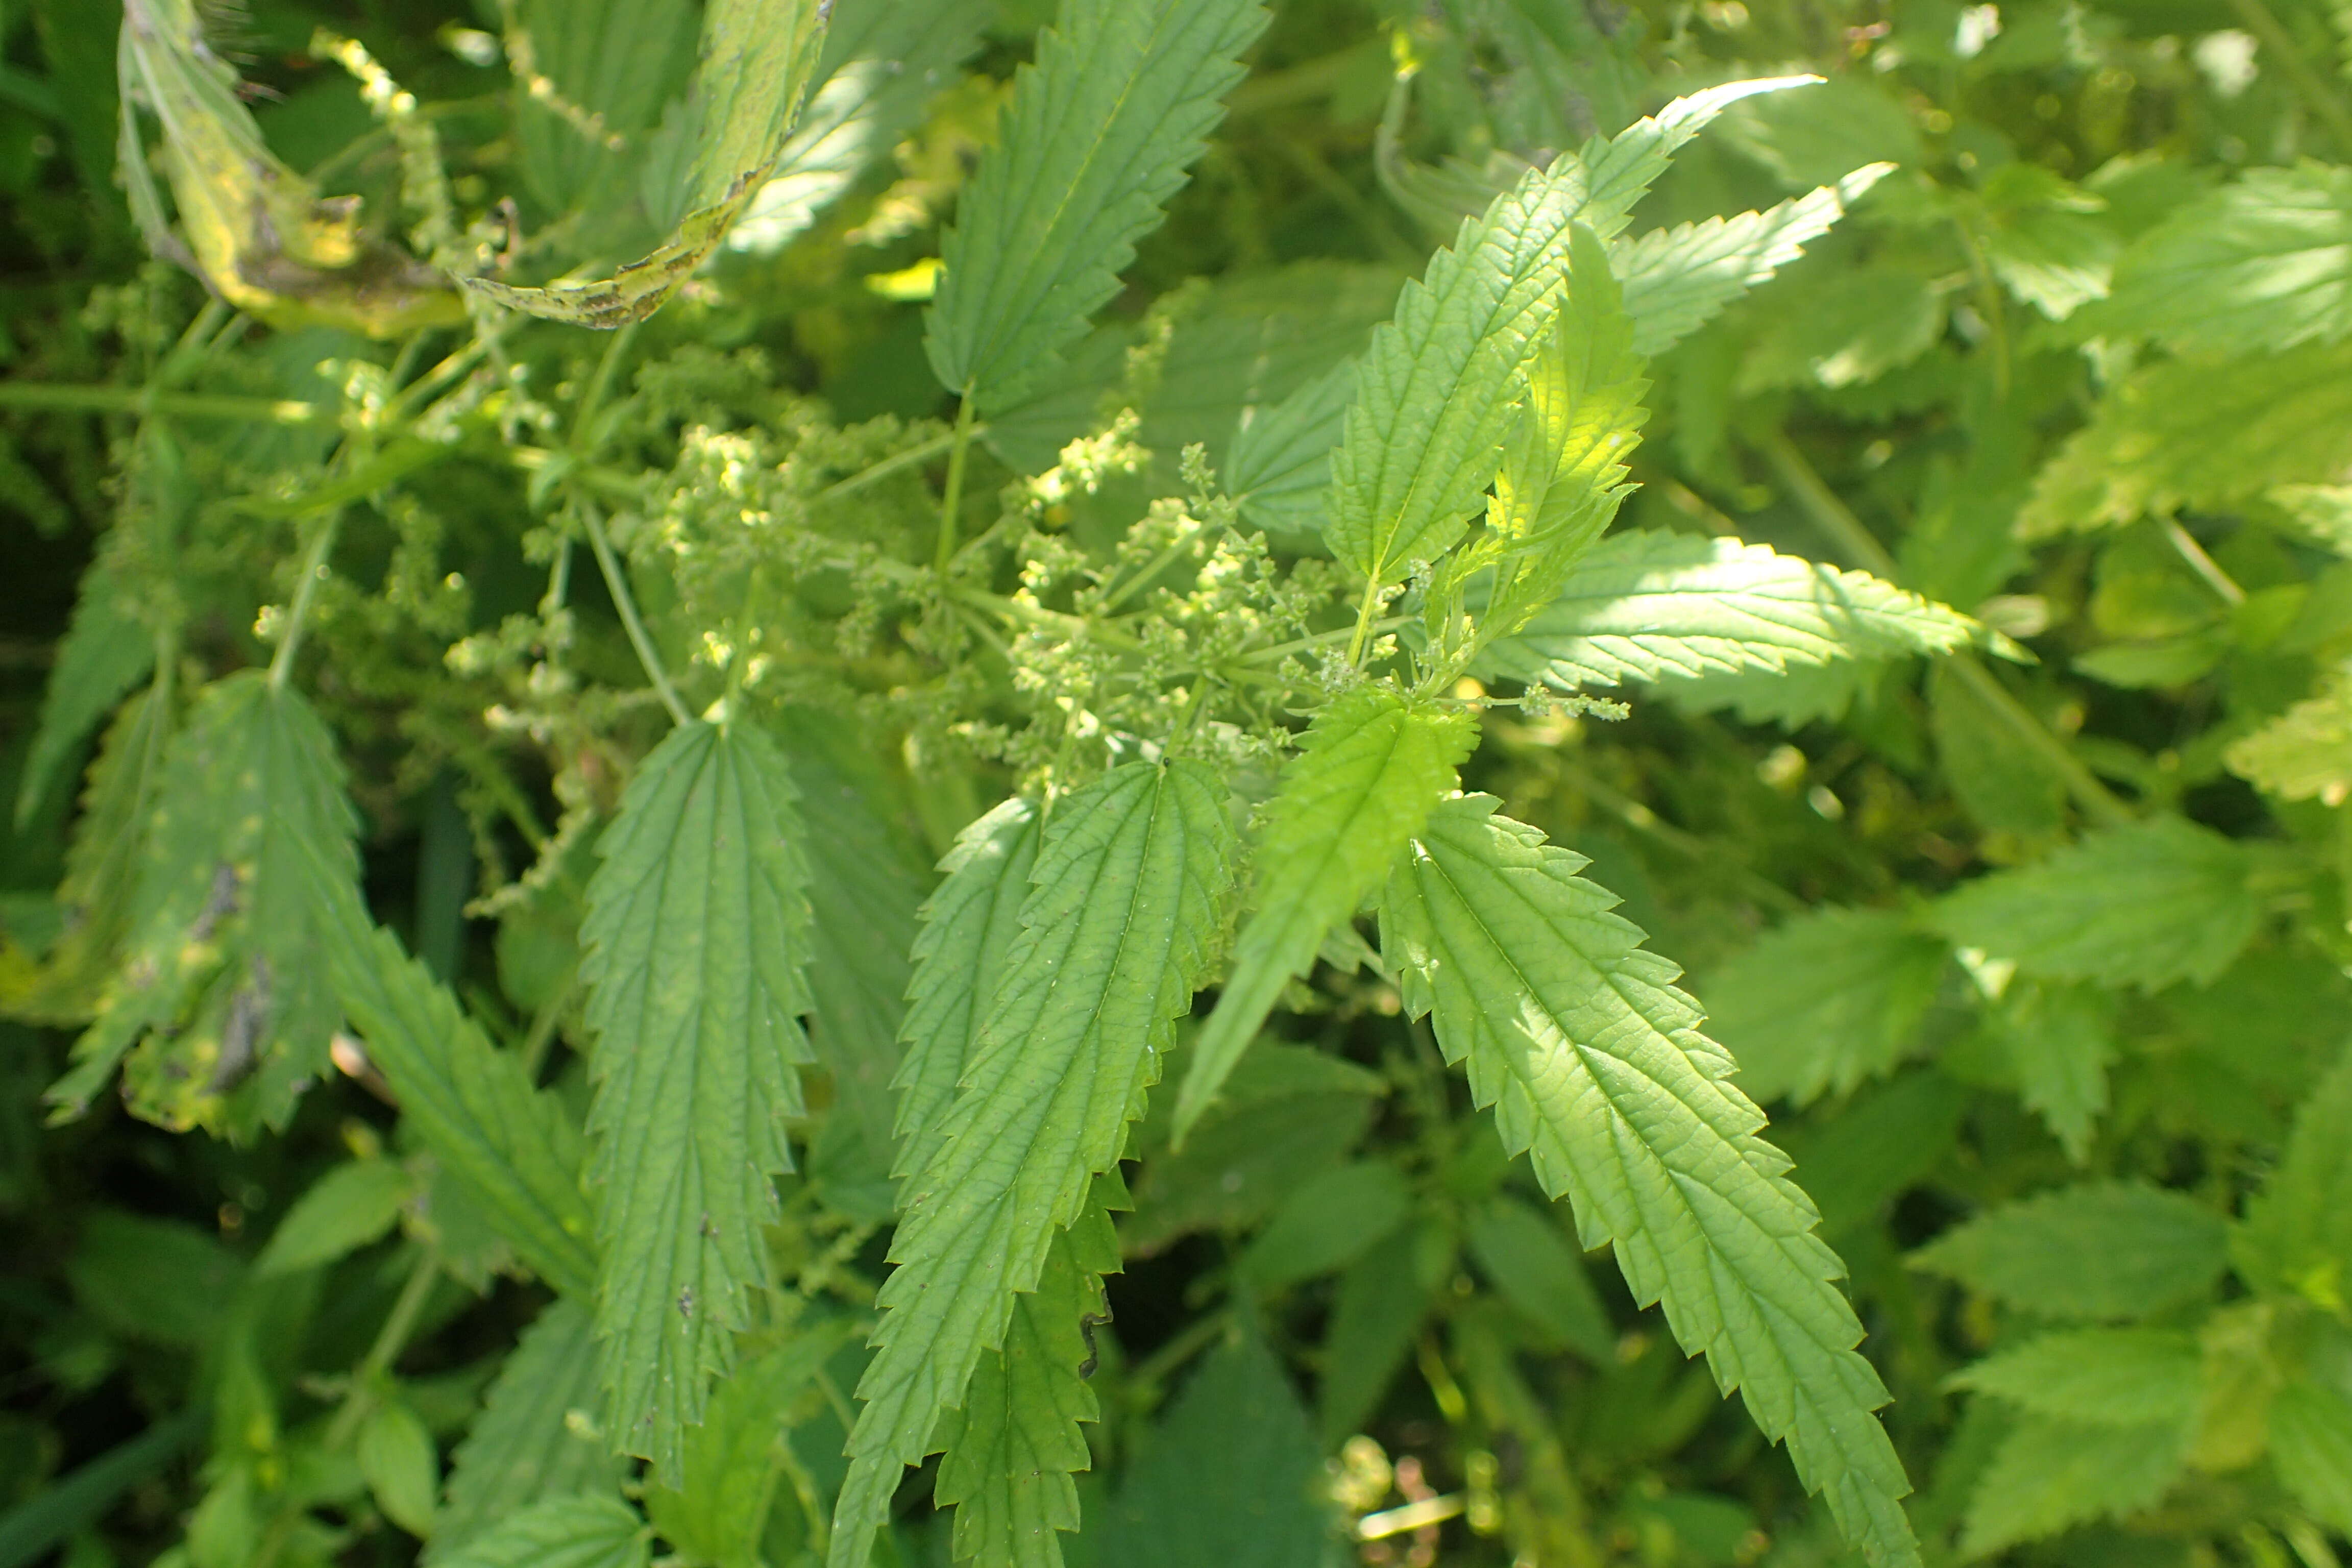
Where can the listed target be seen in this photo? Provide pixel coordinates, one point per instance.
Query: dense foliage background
(2037, 954)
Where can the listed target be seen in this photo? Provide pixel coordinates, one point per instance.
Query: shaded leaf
(1825, 1002)
(2103, 1250)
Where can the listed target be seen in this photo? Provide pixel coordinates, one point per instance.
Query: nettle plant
(1189, 695)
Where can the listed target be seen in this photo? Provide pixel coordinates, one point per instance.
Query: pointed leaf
(1128, 890)
(1371, 766)
(1678, 280)
(1595, 1067)
(1098, 136)
(2146, 905)
(1436, 387)
(104, 654)
(533, 1438)
(2104, 1250)
(2050, 1474)
(1658, 607)
(1826, 1000)
(345, 1210)
(2104, 1377)
(2297, 1232)
(584, 1532)
(757, 56)
(697, 924)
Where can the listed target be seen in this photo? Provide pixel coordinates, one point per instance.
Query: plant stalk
(297, 615)
(952, 503)
(617, 582)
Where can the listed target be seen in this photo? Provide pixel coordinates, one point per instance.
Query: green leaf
(2006, 787)
(1524, 1254)
(1011, 1449)
(345, 1210)
(2148, 451)
(1327, 1222)
(1595, 1066)
(757, 56)
(2060, 1040)
(585, 1531)
(1825, 1002)
(153, 1279)
(2105, 1250)
(1838, 330)
(1678, 280)
(2305, 754)
(864, 891)
(592, 78)
(969, 924)
(1287, 1113)
(511, 1146)
(1279, 467)
(1236, 1435)
(1563, 473)
(2050, 1474)
(1370, 768)
(731, 1462)
(2311, 1448)
(2145, 905)
(2101, 1377)
(221, 991)
(104, 864)
(1878, 1146)
(696, 925)
(2261, 265)
(2297, 1232)
(1100, 131)
(1376, 1314)
(104, 654)
(1127, 894)
(1658, 607)
(535, 1437)
(1436, 389)
(395, 1455)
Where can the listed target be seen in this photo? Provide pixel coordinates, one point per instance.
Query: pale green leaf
(1371, 765)
(2261, 265)
(698, 922)
(2050, 1474)
(733, 1461)
(2297, 1232)
(1563, 474)
(2145, 905)
(1127, 894)
(1595, 1067)
(221, 1003)
(1327, 1222)
(106, 652)
(1837, 330)
(2106, 1250)
(2101, 1377)
(1279, 467)
(2311, 1448)
(511, 1146)
(969, 926)
(345, 1210)
(883, 61)
(1236, 1435)
(1825, 1002)
(535, 1437)
(1526, 1253)
(2150, 448)
(757, 56)
(2060, 1040)
(1659, 606)
(1013, 1448)
(1809, 139)
(1435, 389)
(395, 1454)
(2305, 754)
(1099, 133)
(581, 1532)
(1678, 280)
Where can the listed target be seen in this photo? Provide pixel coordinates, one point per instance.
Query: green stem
(1320, 639)
(599, 385)
(297, 615)
(617, 584)
(1845, 531)
(2322, 98)
(894, 463)
(54, 398)
(2224, 586)
(952, 503)
(390, 1341)
(1364, 613)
